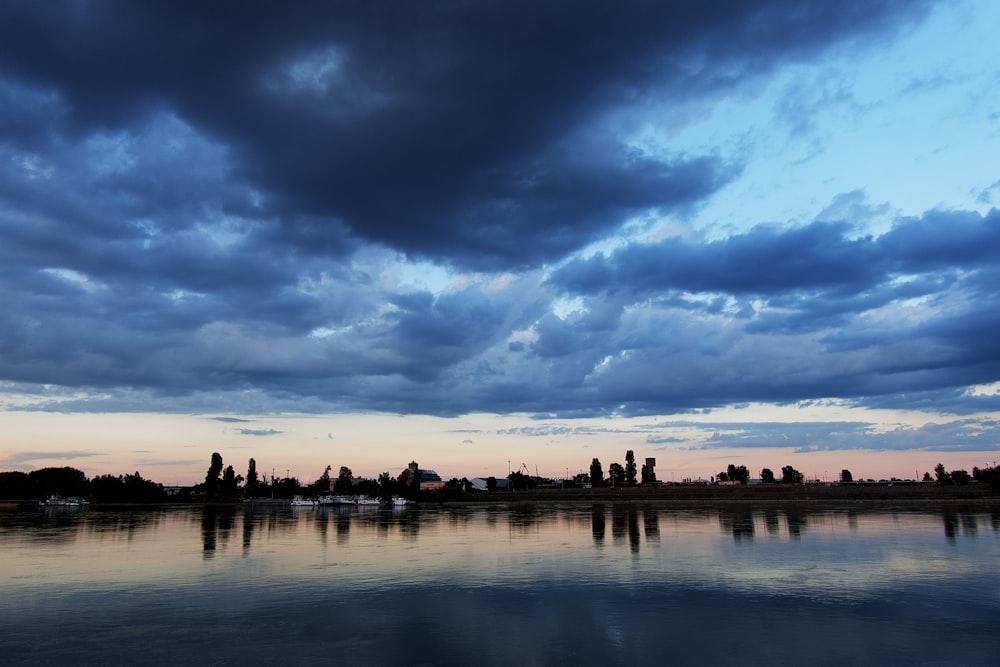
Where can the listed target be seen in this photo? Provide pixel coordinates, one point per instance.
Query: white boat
(59, 501)
(365, 500)
(299, 501)
(337, 500)
(399, 501)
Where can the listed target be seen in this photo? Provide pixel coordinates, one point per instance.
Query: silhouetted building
(422, 479)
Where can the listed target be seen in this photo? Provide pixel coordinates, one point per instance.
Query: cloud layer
(228, 208)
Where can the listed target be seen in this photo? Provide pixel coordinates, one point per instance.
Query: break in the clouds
(558, 208)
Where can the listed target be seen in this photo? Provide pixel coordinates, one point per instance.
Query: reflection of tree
(409, 524)
(248, 527)
(771, 522)
(226, 518)
(524, 517)
(796, 519)
(632, 515)
(953, 520)
(383, 523)
(739, 521)
(619, 524)
(852, 519)
(55, 525)
(217, 522)
(950, 523)
(208, 530)
(128, 522)
(323, 525)
(597, 522)
(651, 524)
(342, 524)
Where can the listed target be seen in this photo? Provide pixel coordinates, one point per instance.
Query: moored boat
(59, 501)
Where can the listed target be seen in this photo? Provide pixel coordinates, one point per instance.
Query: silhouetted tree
(960, 477)
(366, 487)
(630, 468)
(344, 480)
(212, 476)
(790, 475)
(518, 481)
(65, 481)
(738, 474)
(491, 484)
(230, 481)
(767, 476)
(250, 489)
(846, 476)
(286, 487)
(616, 474)
(323, 483)
(15, 485)
(927, 477)
(989, 475)
(126, 489)
(943, 478)
(386, 485)
(596, 473)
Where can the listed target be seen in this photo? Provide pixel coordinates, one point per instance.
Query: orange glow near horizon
(176, 449)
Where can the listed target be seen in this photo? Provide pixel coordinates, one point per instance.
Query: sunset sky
(488, 235)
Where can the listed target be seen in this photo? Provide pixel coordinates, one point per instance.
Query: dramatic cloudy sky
(487, 234)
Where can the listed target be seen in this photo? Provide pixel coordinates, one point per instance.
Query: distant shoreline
(858, 495)
(779, 494)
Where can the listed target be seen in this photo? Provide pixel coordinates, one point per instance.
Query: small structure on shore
(421, 479)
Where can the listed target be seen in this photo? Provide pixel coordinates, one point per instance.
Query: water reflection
(796, 519)
(772, 522)
(960, 523)
(739, 521)
(651, 524)
(597, 521)
(217, 524)
(574, 584)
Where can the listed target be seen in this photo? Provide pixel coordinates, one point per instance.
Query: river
(540, 584)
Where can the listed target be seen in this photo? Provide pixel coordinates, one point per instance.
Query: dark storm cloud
(824, 319)
(762, 261)
(819, 259)
(202, 209)
(468, 133)
(958, 435)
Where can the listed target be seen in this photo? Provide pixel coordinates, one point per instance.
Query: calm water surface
(510, 585)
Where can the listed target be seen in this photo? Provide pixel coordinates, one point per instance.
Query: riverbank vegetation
(223, 484)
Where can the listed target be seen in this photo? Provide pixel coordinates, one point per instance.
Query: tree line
(625, 475)
(223, 482)
(66, 481)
